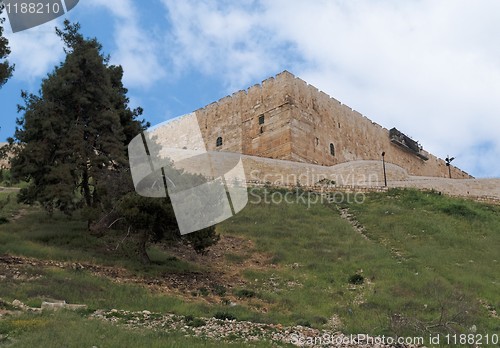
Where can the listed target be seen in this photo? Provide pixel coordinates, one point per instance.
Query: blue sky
(429, 68)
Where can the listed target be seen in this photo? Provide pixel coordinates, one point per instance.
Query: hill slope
(404, 263)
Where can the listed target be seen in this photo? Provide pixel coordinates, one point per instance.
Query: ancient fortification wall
(319, 120)
(4, 162)
(285, 118)
(236, 120)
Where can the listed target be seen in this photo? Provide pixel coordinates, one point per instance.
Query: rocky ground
(222, 273)
(22, 268)
(240, 331)
(220, 329)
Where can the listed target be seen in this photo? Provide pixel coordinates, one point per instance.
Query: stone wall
(285, 118)
(4, 163)
(319, 120)
(236, 120)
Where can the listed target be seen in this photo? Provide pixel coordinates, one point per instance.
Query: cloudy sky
(430, 68)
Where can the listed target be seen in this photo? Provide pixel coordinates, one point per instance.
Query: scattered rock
(18, 304)
(237, 331)
(75, 307)
(53, 306)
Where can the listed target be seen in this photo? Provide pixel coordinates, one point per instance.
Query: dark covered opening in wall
(261, 119)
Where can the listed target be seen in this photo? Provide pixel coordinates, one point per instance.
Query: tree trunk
(86, 188)
(98, 228)
(141, 247)
(87, 195)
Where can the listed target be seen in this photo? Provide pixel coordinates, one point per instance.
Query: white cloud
(428, 67)
(136, 51)
(34, 52)
(222, 36)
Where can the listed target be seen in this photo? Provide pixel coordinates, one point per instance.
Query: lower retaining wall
(368, 189)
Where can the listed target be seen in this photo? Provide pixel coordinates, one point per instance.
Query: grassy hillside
(421, 263)
(430, 262)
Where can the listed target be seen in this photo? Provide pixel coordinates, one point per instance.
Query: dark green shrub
(196, 322)
(277, 258)
(203, 291)
(459, 209)
(224, 316)
(303, 322)
(319, 320)
(356, 279)
(244, 293)
(219, 290)
(6, 305)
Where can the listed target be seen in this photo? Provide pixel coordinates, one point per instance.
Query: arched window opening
(332, 149)
(218, 142)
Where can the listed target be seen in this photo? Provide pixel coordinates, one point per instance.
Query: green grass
(316, 252)
(450, 254)
(66, 329)
(424, 252)
(66, 239)
(8, 205)
(449, 258)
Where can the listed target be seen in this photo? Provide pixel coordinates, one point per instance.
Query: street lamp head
(383, 154)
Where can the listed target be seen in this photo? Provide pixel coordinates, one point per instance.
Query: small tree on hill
(148, 219)
(153, 219)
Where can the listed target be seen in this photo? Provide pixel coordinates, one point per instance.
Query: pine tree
(71, 147)
(73, 134)
(5, 68)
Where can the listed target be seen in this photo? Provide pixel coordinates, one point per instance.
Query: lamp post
(448, 161)
(383, 163)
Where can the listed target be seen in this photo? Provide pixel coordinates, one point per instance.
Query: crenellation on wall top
(300, 81)
(344, 106)
(282, 75)
(254, 88)
(226, 99)
(241, 93)
(206, 107)
(324, 95)
(254, 92)
(335, 100)
(357, 113)
(285, 74)
(267, 81)
(314, 89)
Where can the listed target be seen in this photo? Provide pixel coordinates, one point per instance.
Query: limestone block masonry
(286, 118)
